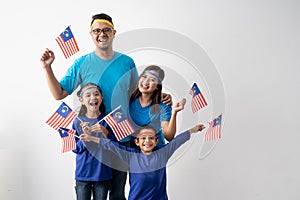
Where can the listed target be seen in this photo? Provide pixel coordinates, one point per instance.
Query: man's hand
(166, 99)
(47, 58)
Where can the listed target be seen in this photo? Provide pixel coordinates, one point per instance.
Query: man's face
(102, 35)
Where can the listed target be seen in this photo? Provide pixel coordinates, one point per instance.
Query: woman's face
(148, 83)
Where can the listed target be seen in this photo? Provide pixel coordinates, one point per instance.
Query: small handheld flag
(214, 130)
(62, 117)
(120, 125)
(198, 100)
(67, 138)
(67, 43)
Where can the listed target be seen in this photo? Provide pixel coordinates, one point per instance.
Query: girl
(92, 177)
(146, 108)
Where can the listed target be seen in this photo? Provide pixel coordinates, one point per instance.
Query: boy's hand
(198, 127)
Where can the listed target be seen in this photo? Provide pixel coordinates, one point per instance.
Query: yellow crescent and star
(64, 109)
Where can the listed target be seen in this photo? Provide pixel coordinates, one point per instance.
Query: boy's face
(146, 140)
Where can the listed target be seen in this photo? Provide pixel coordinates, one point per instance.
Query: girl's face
(146, 140)
(148, 83)
(91, 98)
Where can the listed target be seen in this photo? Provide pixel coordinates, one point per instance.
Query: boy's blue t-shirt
(148, 177)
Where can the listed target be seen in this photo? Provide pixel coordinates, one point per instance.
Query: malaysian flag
(67, 43)
(62, 117)
(198, 100)
(120, 125)
(214, 130)
(67, 138)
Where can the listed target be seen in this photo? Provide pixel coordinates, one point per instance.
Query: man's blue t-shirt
(117, 77)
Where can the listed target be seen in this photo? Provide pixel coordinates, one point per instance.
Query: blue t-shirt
(89, 167)
(117, 78)
(142, 116)
(147, 176)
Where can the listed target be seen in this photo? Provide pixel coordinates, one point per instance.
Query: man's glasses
(97, 31)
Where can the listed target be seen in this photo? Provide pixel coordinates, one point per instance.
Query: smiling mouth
(93, 103)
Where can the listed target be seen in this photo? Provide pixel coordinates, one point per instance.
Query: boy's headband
(153, 74)
(102, 20)
(83, 91)
(146, 133)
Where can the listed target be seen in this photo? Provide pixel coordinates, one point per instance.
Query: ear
(81, 100)
(136, 141)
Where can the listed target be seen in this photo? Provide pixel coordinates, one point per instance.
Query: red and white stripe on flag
(213, 132)
(121, 129)
(68, 142)
(62, 117)
(198, 102)
(69, 47)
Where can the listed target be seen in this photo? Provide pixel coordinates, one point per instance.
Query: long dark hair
(83, 108)
(156, 96)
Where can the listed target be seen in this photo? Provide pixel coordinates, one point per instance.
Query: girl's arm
(169, 127)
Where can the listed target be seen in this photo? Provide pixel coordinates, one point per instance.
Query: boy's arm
(195, 129)
(180, 139)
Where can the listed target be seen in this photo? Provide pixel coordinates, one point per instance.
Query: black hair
(83, 108)
(156, 96)
(101, 16)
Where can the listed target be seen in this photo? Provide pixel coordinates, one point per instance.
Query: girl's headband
(83, 91)
(153, 74)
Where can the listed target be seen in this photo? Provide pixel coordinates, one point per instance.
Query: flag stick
(109, 113)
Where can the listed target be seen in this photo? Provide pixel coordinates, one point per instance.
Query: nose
(147, 139)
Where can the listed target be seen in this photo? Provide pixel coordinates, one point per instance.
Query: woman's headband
(153, 74)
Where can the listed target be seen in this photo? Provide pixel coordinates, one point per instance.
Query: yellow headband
(102, 20)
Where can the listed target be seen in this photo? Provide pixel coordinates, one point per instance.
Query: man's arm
(47, 59)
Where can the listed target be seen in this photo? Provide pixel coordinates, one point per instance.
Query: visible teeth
(93, 103)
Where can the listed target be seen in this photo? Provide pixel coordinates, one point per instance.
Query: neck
(93, 115)
(104, 54)
(145, 99)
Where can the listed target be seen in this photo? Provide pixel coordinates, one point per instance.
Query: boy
(147, 165)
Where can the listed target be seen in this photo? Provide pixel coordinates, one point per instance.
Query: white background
(255, 47)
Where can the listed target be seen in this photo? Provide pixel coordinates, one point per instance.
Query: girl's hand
(85, 127)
